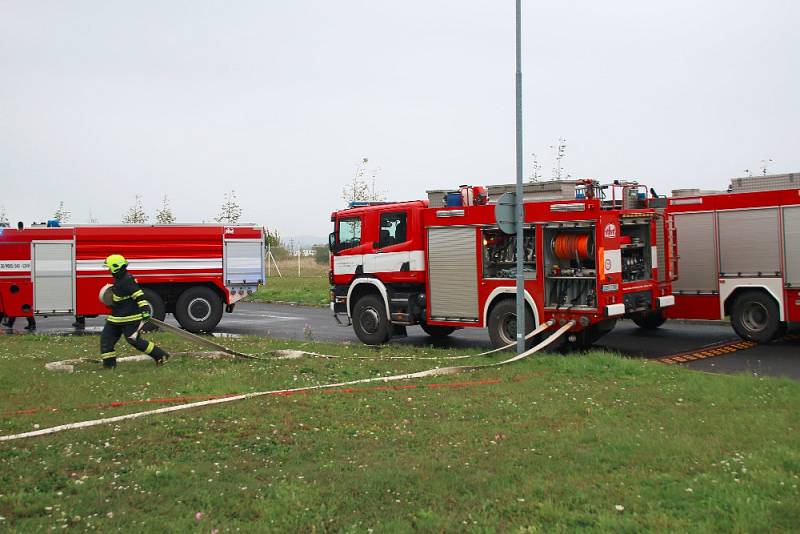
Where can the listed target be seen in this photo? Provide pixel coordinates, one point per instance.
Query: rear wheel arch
(736, 293)
(170, 292)
(370, 321)
(503, 293)
(501, 323)
(755, 314)
(365, 286)
(199, 308)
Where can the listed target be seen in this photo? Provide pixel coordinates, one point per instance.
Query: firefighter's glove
(146, 308)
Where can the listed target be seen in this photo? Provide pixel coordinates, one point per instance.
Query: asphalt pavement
(674, 337)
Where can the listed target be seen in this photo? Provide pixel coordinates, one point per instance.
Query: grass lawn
(306, 285)
(307, 290)
(553, 443)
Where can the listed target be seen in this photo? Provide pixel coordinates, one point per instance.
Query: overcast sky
(279, 101)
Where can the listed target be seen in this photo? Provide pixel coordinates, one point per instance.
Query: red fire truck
(191, 271)
(739, 255)
(592, 254)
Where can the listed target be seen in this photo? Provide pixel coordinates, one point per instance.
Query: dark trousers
(9, 322)
(111, 334)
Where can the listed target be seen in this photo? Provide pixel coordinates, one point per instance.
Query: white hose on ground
(68, 366)
(292, 353)
(421, 374)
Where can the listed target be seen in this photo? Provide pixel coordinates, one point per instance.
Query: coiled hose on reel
(573, 246)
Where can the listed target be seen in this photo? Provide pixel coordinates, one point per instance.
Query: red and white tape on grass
(421, 374)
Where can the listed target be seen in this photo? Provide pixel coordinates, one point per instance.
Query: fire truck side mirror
(332, 242)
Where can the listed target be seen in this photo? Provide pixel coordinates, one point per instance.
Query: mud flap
(336, 316)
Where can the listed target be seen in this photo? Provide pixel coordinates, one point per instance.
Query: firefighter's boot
(158, 354)
(109, 361)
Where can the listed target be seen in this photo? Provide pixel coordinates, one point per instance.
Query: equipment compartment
(500, 254)
(636, 250)
(569, 265)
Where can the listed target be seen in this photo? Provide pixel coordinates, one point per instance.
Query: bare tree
(136, 214)
(231, 211)
(164, 214)
(536, 167)
(62, 214)
(357, 189)
(764, 164)
(361, 190)
(561, 152)
(3, 216)
(374, 193)
(92, 218)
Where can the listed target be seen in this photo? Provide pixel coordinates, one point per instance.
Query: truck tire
(586, 337)
(649, 320)
(198, 309)
(755, 317)
(437, 331)
(157, 308)
(370, 322)
(502, 324)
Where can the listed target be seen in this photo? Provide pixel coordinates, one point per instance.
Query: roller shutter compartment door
(697, 260)
(661, 253)
(749, 243)
(452, 273)
(53, 277)
(791, 230)
(244, 262)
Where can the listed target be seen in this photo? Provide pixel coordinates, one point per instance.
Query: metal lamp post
(520, 212)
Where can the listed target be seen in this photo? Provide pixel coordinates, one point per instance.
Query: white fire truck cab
(593, 254)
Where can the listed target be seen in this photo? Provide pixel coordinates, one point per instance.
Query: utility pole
(520, 211)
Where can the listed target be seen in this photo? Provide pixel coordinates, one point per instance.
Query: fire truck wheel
(587, 337)
(649, 320)
(198, 309)
(503, 324)
(158, 309)
(755, 317)
(437, 331)
(369, 320)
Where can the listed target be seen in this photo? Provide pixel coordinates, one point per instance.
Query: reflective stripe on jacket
(127, 299)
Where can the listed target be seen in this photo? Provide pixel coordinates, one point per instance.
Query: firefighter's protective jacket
(128, 300)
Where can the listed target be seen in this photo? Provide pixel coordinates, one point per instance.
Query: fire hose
(68, 365)
(439, 371)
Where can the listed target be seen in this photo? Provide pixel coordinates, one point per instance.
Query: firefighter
(129, 312)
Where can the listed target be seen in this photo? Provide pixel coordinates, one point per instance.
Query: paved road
(299, 322)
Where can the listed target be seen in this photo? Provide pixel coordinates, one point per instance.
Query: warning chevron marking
(722, 349)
